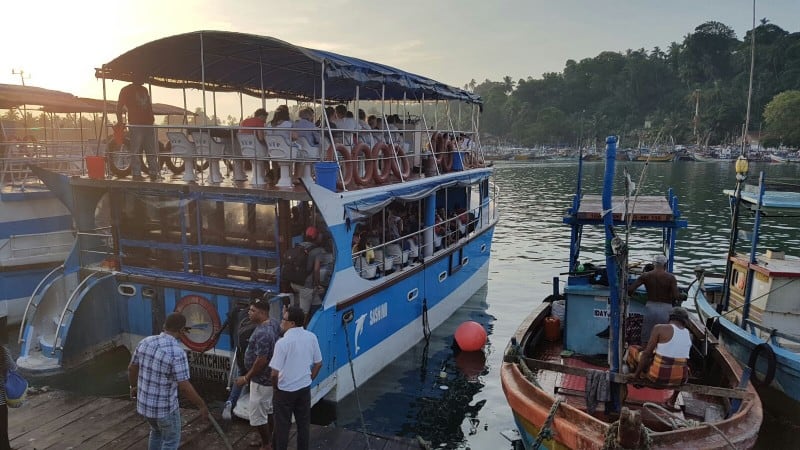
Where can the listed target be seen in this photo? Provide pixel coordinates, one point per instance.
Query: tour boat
(754, 311)
(569, 389)
(36, 231)
(201, 244)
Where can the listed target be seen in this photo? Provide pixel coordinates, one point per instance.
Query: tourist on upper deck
(362, 120)
(158, 369)
(662, 293)
(346, 122)
(296, 362)
(280, 119)
(135, 99)
(259, 376)
(259, 120)
(372, 122)
(306, 120)
(665, 359)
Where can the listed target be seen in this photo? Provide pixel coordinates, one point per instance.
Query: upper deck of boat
(646, 210)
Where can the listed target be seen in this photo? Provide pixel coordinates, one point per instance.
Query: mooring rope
(546, 432)
(676, 422)
(355, 387)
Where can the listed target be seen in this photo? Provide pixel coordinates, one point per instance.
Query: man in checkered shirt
(158, 370)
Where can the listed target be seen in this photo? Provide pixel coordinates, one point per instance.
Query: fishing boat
(202, 246)
(569, 389)
(754, 310)
(36, 231)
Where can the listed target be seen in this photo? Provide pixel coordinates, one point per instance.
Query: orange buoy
(470, 336)
(552, 328)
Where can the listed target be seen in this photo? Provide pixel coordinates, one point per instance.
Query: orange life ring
(384, 152)
(344, 164)
(369, 164)
(201, 312)
(404, 164)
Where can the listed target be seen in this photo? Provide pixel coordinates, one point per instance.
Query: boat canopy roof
(91, 105)
(12, 95)
(264, 66)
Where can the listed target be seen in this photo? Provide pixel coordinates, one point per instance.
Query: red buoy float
(470, 336)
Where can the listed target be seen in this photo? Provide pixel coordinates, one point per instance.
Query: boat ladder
(68, 312)
(36, 297)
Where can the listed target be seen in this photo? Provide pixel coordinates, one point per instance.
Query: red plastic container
(552, 328)
(96, 167)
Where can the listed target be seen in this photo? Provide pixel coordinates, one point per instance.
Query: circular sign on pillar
(202, 322)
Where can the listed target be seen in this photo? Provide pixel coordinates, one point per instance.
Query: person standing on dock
(662, 291)
(295, 363)
(259, 352)
(157, 371)
(136, 100)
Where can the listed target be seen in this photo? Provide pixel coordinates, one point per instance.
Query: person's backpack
(294, 265)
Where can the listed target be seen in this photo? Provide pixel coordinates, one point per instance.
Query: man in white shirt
(295, 362)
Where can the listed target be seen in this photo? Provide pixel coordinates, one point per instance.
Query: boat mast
(741, 176)
(611, 261)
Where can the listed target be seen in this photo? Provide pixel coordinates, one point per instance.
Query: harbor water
(455, 400)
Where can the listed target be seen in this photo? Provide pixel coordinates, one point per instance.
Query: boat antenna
(750, 87)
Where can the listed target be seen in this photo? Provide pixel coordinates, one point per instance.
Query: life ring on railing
(771, 363)
(404, 170)
(382, 153)
(344, 164)
(369, 164)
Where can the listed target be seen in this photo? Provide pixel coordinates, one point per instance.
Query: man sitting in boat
(662, 291)
(665, 359)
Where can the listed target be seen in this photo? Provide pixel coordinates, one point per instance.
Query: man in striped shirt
(157, 371)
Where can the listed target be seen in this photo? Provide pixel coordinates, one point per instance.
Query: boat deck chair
(308, 153)
(207, 146)
(253, 148)
(181, 146)
(280, 150)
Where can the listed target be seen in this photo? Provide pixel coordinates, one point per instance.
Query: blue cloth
(165, 433)
(162, 364)
(262, 343)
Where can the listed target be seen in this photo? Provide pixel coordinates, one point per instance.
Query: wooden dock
(61, 420)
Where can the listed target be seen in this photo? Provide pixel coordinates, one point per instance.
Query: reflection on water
(530, 247)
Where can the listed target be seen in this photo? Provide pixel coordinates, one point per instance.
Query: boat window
(205, 237)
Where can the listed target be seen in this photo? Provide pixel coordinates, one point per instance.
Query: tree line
(651, 96)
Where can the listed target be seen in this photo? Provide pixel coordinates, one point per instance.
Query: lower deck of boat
(573, 391)
(63, 420)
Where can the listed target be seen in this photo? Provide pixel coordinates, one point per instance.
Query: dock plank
(49, 433)
(61, 420)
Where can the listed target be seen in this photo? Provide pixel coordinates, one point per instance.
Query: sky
(58, 44)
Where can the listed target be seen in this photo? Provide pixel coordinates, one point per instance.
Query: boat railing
(222, 142)
(96, 249)
(57, 156)
(26, 246)
(36, 296)
(394, 255)
(775, 337)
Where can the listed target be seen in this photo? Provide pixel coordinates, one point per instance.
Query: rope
(546, 432)
(610, 442)
(526, 371)
(676, 422)
(355, 387)
(426, 326)
(220, 432)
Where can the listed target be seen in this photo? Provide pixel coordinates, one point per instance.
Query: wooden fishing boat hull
(574, 428)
